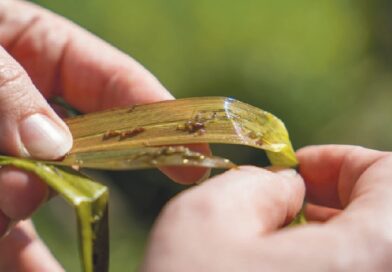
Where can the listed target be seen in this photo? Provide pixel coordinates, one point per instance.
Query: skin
(41, 56)
(232, 222)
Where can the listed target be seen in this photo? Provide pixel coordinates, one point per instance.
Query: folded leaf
(90, 201)
(117, 138)
(147, 136)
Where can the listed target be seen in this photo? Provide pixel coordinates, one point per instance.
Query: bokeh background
(324, 67)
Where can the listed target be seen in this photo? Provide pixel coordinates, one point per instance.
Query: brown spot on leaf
(123, 134)
(192, 126)
(131, 133)
(111, 134)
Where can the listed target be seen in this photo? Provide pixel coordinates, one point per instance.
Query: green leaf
(90, 200)
(147, 136)
(118, 138)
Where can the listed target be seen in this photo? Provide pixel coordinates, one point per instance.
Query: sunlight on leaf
(149, 136)
(120, 136)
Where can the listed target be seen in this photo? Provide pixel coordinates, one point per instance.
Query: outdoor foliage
(324, 67)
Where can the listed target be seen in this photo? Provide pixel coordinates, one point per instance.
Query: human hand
(43, 55)
(232, 222)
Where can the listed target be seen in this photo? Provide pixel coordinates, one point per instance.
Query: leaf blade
(143, 137)
(183, 121)
(90, 201)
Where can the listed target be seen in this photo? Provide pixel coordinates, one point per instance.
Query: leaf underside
(149, 136)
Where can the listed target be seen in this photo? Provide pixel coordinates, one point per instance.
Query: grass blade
(90, 200)
(147, 136)
(122, 136)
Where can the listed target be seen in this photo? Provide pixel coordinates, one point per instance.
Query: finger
(267, 199)
(189, 175)
(20, 193)
(317, 248)
(338, 176)
(358, 179)
(331, 171)
(356, 240)
(239, 205)
(62, 59)
(319, 213)
(29, 127)
(359, 238)
(22, 250)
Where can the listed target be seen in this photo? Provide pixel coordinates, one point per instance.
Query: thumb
(220, 217)
(28, 125)
(253, 200)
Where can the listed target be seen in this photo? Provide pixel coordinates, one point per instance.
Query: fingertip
(285, 187)
(287, 172)
(190, 175)
(44, 138)
(296, 194)
(186, 175)
(290, 176)
(272, 199)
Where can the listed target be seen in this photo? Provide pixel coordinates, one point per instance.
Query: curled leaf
(122, 138)
(144, 157)
(89, 199)
(147, 136)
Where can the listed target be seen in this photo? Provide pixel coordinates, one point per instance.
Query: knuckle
(358, 151)
(10, 74)
(13, 83)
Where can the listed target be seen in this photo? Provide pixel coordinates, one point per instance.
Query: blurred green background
(324, 67)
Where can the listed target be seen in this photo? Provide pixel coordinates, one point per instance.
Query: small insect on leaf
(110, 140)
(211, 119)
(131, 133)
(111, 134)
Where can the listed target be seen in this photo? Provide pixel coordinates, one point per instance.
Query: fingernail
(287, 172)
(42, 138)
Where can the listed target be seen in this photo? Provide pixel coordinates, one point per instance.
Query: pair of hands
(230, 223)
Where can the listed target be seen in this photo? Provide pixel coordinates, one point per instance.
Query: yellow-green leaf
(147, 136)
(89, 199)
(117, 139)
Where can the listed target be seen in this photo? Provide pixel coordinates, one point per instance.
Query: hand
(233, 222)
(43, 55)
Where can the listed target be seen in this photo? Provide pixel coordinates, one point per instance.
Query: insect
(111, 134)
(192, 126)
(131, 133)
(122, 134)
